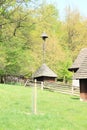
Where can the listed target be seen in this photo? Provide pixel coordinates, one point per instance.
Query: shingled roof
(82, 71)
(79, 60)
(80, 65)
(44, 70)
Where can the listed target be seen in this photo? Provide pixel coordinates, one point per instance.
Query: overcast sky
(81, 5)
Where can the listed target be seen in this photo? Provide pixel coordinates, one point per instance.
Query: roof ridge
(44, 70)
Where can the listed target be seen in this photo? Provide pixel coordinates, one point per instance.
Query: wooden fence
(62, 88)
(56, 87)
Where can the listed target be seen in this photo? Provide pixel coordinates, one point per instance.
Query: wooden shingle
(79, 60)
(82, 71)
(44, 70)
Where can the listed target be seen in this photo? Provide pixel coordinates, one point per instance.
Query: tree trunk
(2, 79)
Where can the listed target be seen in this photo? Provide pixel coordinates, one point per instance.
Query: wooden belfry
(44, 73)
(44, 37)
(79, 68)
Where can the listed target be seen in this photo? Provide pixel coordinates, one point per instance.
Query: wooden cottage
(44, 73)
(79, 68)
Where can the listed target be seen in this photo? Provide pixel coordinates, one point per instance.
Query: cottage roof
(82, 71)
(44, 70)
(79, 60)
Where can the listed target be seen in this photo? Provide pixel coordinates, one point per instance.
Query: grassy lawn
(55, 111)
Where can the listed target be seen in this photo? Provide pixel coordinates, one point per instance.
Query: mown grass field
(55, 111)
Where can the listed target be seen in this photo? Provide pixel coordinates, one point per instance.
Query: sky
(80, 5)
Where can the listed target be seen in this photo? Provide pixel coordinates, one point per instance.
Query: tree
(71, 32)
(63, 72)
(46, 18)
(15, 26)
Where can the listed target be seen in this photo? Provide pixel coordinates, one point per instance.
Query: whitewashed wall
(75, 83)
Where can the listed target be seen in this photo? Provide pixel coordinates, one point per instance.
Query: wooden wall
(44, 78)
(83, 89)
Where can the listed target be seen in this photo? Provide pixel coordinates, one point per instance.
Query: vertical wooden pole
(72, 90)
(72, 86)
(44, 51)
(34, 98)
(42, 85)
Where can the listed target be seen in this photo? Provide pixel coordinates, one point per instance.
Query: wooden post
(72, 89)
(72, 85)
(34, 98)
(42, 85)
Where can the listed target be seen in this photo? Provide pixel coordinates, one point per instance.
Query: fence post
(72, 90)
(42, 85)
(34, 98)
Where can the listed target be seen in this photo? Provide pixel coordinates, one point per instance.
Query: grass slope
(55, 111)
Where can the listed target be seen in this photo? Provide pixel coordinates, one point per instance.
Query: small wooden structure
(79, 68)
(44, 73)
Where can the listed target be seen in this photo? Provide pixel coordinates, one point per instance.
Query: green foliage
(63, 72)
(2, 60)
(21, 25)
(12, 67)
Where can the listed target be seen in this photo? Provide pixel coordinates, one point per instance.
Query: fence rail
(56, 87)
(62, 88)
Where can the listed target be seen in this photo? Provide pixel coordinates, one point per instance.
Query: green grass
(55, 111)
